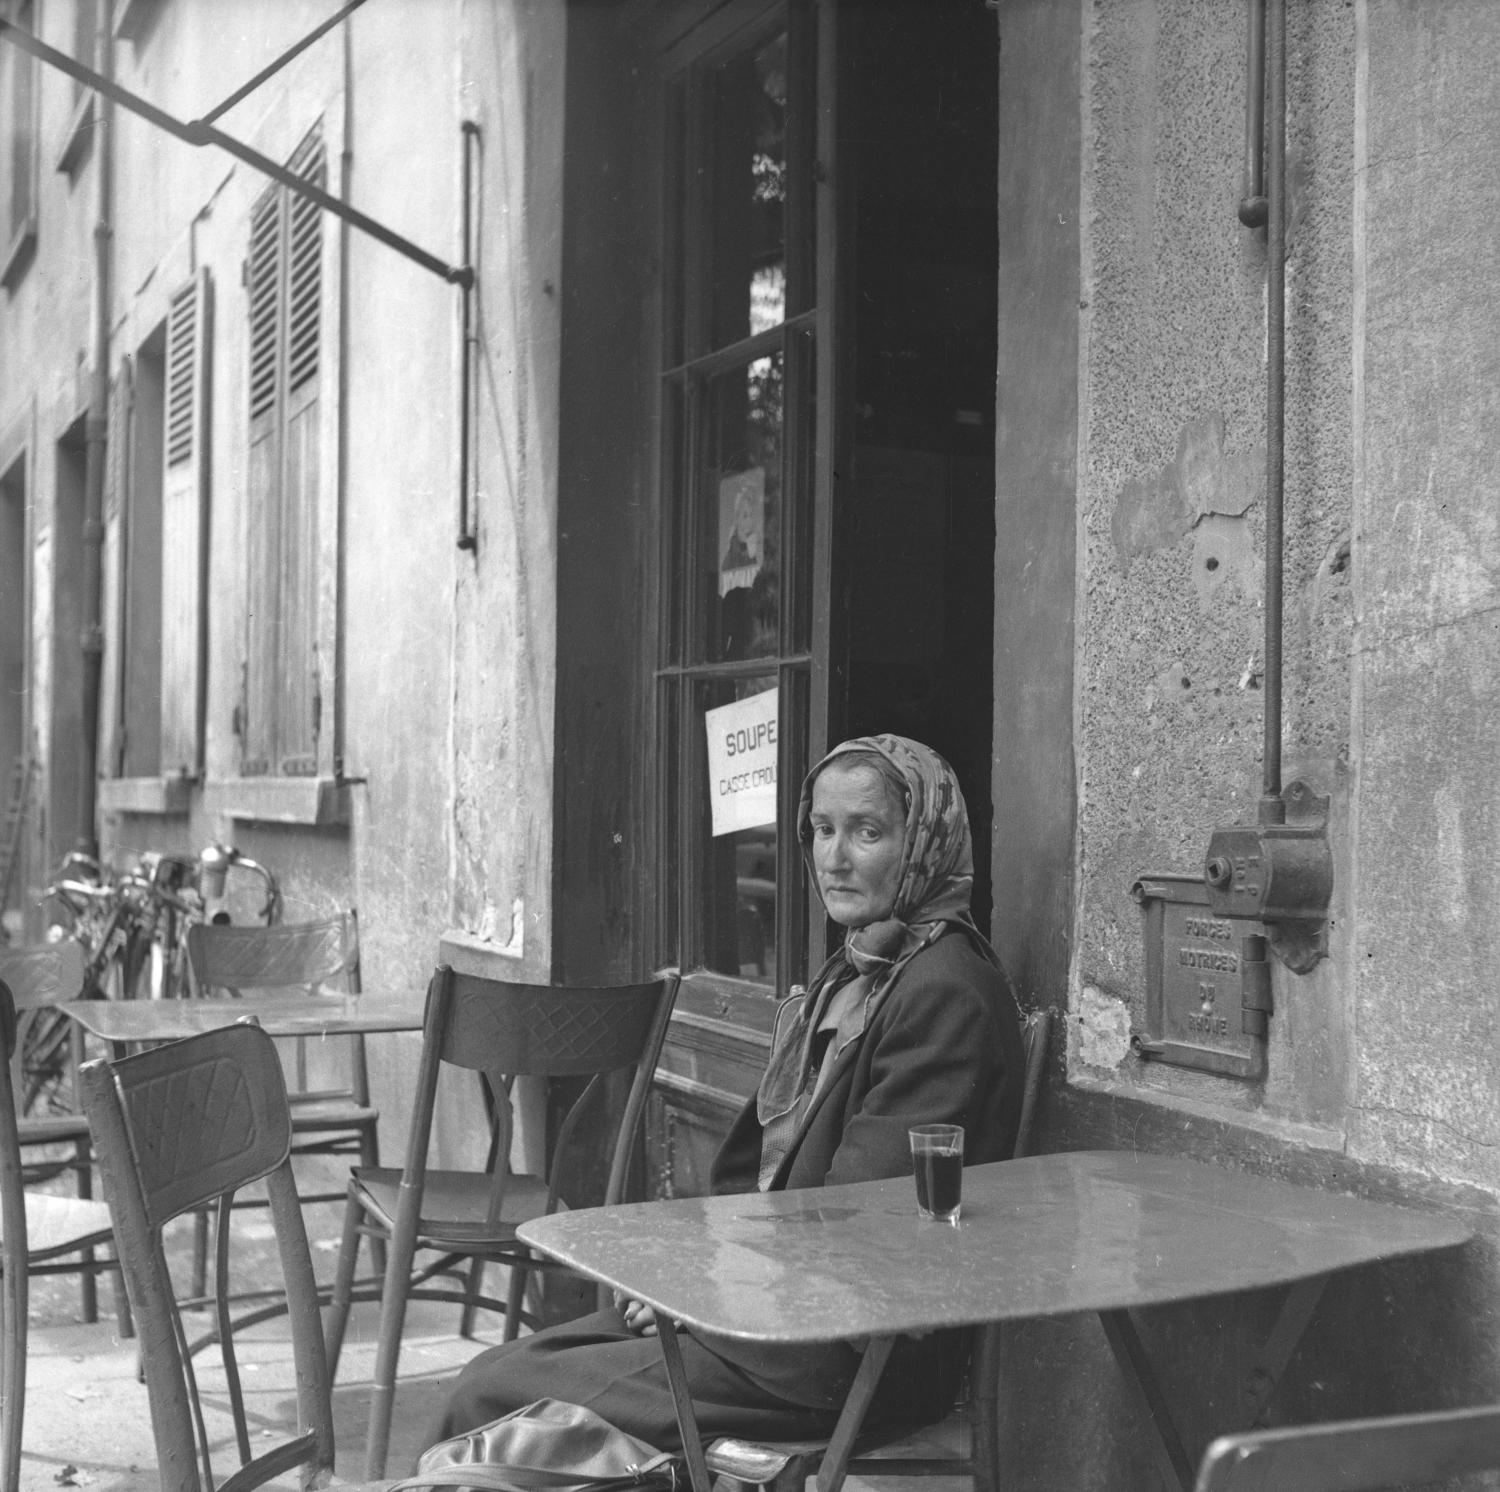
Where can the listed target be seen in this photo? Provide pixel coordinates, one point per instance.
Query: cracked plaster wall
(1172, 514)
(1392, 619)
(1426, 1079)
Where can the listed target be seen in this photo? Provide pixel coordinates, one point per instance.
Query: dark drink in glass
(937, 1157)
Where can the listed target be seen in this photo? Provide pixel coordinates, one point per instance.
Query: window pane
(740, 513)
(747, 200)
(738, 890)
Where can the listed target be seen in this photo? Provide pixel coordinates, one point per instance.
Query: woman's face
(858, 830)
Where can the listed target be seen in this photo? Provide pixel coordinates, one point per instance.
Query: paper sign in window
(742, 763)
(742, 525)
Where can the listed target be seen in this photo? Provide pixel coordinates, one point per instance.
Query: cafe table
(1049, 1235)
(131, 1023)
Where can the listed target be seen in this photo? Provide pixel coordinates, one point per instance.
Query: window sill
(165, 796)
(322, 802)
(468, 954)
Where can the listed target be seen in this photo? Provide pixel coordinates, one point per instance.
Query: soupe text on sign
(742, 763)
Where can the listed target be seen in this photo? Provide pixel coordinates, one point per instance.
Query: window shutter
(263, 491)
(185, 527)
(281, 705)
(299, 707)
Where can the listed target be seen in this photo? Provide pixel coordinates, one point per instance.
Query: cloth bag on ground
(548, 1446)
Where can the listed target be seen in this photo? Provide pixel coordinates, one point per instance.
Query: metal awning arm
(296, 49)
(200, 132)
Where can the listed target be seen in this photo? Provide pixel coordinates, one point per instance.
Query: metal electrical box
(1208, 985)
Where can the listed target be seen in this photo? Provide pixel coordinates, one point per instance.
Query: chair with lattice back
(784, 1466)
(501, 1031)
(51, 1129)
(335, 1117)
(39, 1234)
(178, 1129)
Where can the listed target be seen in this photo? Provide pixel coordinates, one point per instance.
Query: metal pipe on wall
(1253, 199)
(96, 434)
(1272, 809)
(468, 520)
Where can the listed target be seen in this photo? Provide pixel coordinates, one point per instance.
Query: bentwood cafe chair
(177, 1129)
(39, 1234)
(500, 1031)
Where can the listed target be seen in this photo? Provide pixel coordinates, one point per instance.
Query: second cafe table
(126, 1023)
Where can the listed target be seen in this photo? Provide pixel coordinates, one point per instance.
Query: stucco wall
(442, 713)
(1382, 1066)
(1171, 508)
(1425, 1080)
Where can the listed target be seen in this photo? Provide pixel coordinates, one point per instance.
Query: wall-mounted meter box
(1208, 985)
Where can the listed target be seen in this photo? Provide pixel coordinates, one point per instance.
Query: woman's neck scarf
(934, 889)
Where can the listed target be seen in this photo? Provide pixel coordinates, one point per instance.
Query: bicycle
(132, 925)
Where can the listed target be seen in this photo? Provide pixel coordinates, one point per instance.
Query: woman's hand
(637, 1315)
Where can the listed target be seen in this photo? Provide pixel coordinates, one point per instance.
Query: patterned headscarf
(936, 881)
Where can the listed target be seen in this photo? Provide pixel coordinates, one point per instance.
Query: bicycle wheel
(46, 1063)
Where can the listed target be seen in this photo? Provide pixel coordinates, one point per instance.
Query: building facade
(829, 366)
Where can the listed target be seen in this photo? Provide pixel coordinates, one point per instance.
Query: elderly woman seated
(910, 1022)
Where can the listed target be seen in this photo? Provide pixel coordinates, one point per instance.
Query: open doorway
(917, 526)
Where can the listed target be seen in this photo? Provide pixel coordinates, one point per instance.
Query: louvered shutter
(298, 714)
(280, 714)
(263, 493)
(185, 527)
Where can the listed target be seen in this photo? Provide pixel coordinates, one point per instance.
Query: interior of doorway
(918, 113)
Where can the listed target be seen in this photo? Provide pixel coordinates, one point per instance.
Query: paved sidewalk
(88, 1423)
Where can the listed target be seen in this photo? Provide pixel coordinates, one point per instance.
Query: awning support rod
(279, 63)
(200, 132)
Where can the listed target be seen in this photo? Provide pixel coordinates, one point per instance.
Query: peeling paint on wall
(1103, 1028)
(1201, 481)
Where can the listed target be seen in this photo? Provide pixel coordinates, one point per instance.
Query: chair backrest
(291, 955)
(1355, 1455)
(40, 976)
(176, 1128)
(13, 1249)
(509, 1030)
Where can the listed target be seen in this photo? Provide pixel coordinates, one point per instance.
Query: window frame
(806, 342)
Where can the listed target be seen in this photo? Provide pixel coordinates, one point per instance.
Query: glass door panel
(740, 487)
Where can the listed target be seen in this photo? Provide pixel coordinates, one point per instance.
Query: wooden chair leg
(16, 1296)
(343, 1285)
(400, 1252)
(199, 1286)
(515, 1297)
(474, 1289)
(88, 1288)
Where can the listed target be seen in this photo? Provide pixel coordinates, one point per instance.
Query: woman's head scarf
(934, 887)
(936, 880)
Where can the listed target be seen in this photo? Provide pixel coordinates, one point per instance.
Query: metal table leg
(1150, 1402)
(852, 1416)
(682, 1399)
